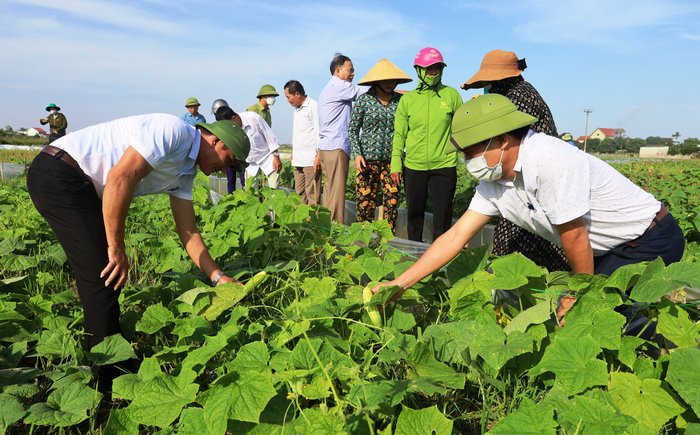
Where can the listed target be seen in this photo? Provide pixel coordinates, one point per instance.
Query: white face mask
(53, 111)
(270, 101)
(482, 171)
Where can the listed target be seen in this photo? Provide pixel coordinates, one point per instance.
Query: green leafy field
(297, 353)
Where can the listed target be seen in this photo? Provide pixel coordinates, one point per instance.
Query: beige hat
(496, 65)
(384, 70)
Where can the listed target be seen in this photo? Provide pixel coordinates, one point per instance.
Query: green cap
(484, 117)
(52, 106)
(566, 136)
(267, 91)
(233, 136)
(192, 101)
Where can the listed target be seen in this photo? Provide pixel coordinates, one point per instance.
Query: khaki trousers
(334, 165)
(307, 184)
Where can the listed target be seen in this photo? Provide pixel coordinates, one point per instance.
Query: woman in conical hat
(371, 134)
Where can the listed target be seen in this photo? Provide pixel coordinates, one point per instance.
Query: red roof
(581, 139)
(612, 132)
(40, 130)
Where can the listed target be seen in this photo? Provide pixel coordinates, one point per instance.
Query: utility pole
(585, 133)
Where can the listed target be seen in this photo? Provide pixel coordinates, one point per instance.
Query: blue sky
(635, 63)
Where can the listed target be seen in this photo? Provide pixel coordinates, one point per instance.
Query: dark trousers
(54, 136)
(231, 178)
(69, 203)
(664, 240)
(443, 183)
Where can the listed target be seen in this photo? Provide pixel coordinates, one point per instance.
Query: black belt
(59, 154)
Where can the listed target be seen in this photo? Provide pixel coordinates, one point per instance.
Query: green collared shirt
(377, 124)
(262, 111)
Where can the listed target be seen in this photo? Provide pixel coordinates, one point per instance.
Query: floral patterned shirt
(377, 125)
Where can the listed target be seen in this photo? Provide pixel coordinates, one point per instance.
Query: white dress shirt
(305, 134)
(556, 183)
(263, 143)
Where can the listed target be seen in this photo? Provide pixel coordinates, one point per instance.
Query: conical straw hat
(384, 70)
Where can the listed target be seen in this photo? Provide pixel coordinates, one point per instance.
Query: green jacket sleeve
(358, 112)
(400, 133)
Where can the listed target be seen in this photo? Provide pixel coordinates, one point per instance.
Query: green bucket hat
(484, 117)
(192, 101)
(52, 106)
(267, 91)
(233, 136)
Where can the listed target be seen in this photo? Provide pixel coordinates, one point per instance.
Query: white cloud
(587, 21)
(115, 14)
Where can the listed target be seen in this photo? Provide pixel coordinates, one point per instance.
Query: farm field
(471, 349)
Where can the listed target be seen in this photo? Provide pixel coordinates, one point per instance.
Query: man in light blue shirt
(192, 116)
(334, 109)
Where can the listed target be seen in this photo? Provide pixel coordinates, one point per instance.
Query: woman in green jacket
(421, 141)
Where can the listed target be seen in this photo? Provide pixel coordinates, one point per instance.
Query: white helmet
(219, 102)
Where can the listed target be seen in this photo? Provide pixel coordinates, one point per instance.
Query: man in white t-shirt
(600, 218)
(306, 161)
(83, 183)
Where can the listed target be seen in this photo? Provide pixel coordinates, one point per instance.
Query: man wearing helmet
(600, 218)
(264, 149)
(192, 116)
(266, 98)
(421, 144)
(83, 185)
(232, 172)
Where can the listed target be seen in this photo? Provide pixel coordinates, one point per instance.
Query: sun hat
(233, 136)
(485, 117)
(52, 106)
(384, 70)
(496, 65)
(192, 101)
(428, 56)
(267, 91)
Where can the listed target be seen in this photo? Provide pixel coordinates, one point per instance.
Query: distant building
(606, 133)
(34, 131)
(653, 151)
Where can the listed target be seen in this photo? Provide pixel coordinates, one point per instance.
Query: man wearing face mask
(373, 115)
(421, 143)
(57, 122)
(266, 98)
(600, 218)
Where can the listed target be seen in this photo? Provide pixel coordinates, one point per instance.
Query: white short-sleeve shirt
(305, 134)
(556, 183)
(167, 143)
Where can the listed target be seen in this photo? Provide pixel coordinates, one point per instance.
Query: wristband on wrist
(217, 277)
